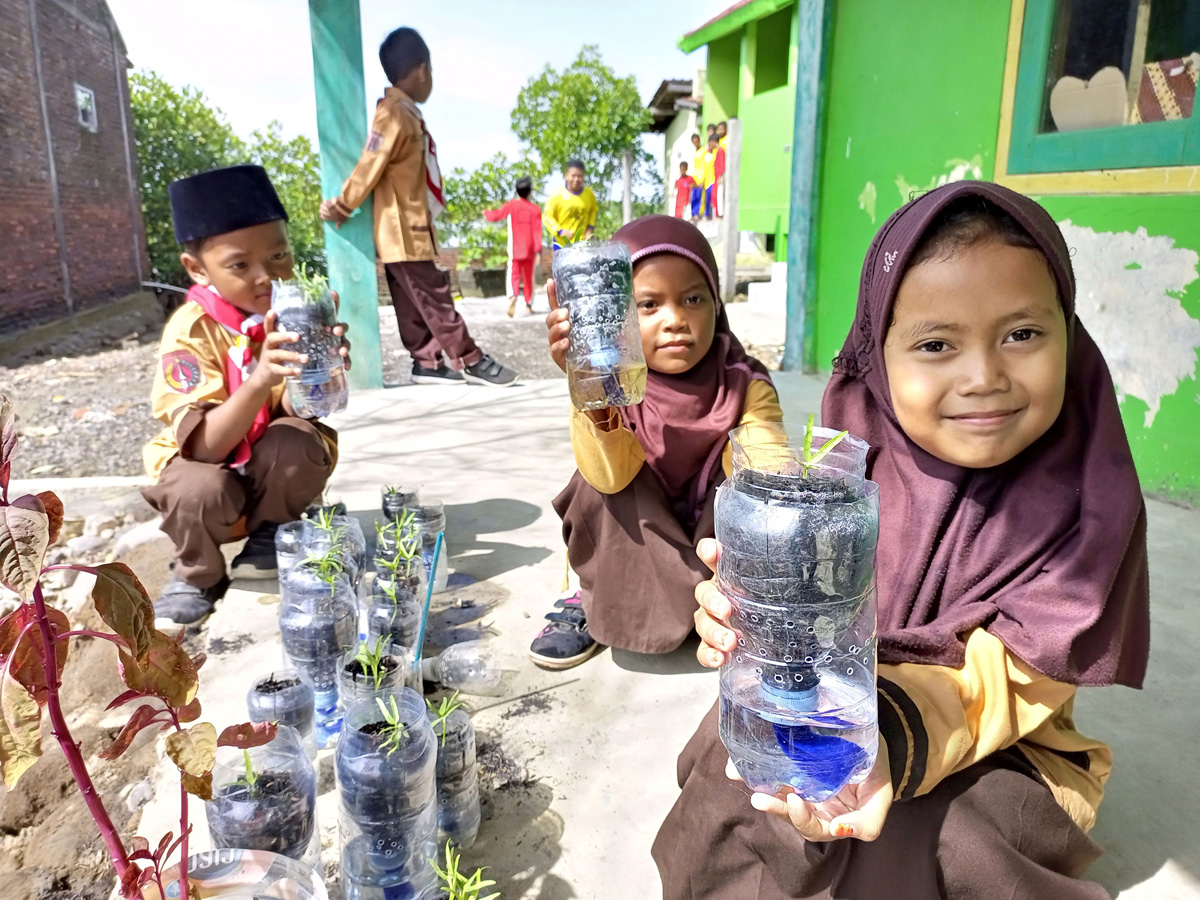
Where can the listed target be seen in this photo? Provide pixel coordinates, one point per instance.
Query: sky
(253, 59)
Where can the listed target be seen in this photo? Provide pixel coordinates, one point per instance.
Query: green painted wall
(721, 78)
(918, 102)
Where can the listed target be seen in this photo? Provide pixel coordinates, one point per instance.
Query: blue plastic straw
(437, 552)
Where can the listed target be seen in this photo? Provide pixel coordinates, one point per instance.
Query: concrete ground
(598, 743)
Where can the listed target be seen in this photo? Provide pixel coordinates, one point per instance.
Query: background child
(644, 491)
(524, 239)
(571, 211)
(714, 162)
(683, 191)
(399, 167)
(232, 447)
(698, 173)
(1011, 568)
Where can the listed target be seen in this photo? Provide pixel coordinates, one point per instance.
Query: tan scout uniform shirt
(393, 167)
(190, 376)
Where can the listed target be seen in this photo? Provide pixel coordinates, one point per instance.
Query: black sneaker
(256, 560)
(565, 642)
(443, 374)
(488, 371)
(182, 604)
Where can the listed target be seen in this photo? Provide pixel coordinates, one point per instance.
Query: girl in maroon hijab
(1011, 569)
(643, 495)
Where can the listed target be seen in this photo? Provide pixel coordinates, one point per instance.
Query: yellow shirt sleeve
(593, 209)
(550, 216)
(762, 405)
(387, 132)
(191, 367)
(938, 720)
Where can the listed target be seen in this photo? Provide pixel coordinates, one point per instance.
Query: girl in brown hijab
(1011, 569)
(642, 497)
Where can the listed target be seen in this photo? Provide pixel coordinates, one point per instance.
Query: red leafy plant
(159, 674)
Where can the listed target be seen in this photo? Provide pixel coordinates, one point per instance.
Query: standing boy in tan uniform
(232, 448)
(399, 166)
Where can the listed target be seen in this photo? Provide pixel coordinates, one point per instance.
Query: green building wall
(914, 100)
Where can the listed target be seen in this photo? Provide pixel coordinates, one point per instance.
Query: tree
(179, 134)
(585, 111)
(468, 195)
(295, 171)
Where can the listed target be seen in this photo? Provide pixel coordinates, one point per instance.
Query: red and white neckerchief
(240, 361)
(433, 172)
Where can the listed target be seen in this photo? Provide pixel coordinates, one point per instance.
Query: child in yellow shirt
(644, 492)
(570, 214)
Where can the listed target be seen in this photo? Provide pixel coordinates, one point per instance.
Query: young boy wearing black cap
(233, 448)
(399, 167)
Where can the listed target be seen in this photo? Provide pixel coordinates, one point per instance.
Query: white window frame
(85, 101)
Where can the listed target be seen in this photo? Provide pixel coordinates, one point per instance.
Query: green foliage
(178, 133)
(585, 111)
(457, 885)
(396, 731)
(442, 712)
(468, 194)
(371, 660)
(327, 566)
(250, 779)
(810, 458)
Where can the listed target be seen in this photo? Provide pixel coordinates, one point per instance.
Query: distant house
(71, 233)
(676, 108)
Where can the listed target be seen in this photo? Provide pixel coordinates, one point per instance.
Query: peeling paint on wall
(866, 200)
(1129, 286)
(956, 170)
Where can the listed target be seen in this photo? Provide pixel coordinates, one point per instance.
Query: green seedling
(810, 458)
(371, 660)
(442, 712)
(250, 779)
(457, 885)
(312, 285)
(324, 522)
(396, 731)
(327, 566)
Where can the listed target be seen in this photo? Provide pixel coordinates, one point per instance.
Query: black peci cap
(223, 200)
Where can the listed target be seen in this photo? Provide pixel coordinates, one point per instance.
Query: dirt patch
(219, 646)
(533, 703)
(498, 769)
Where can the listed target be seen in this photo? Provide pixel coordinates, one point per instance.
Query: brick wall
(99, 225)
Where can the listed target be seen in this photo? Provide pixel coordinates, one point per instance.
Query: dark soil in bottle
(276, 814)
(274, 686)
(359, 672)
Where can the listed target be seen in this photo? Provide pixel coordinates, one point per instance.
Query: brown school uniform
(636, 561)
(392, 169)
(200, 502)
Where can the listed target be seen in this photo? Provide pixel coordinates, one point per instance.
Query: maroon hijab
(1048, 551)
(684, 421)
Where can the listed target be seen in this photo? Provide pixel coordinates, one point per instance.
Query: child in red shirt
(683, 191)
(525, 239)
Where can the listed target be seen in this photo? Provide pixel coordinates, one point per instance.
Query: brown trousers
(429, 323)
(201, 502)
(989, 832)
(637, 564)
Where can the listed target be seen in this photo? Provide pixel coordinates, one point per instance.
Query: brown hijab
(684, 421)
(1048, 551)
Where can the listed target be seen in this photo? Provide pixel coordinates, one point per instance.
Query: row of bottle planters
(406, 782)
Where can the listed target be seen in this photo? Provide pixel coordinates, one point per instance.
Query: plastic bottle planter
(318, 622)
(798, 544)
(429, 519)
(305, 306)
(286, 698)
(387, 797)
(605, 363)
(266, 799)
(395, 500)
(394, 616)
(341, 534)
(288, 542)
(473, 667)
(457, 778)
(381, 669)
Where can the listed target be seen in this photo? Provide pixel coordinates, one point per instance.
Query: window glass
(85, 104)
(1119, 62)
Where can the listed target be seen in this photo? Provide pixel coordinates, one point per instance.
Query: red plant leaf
(247, 735)
(138, 844)
(24, 537)
(199, 659)
(20, 730)
(162, 846)
(54, 509)
(132, 881)
(123, 698)
(167, 672)
(124, 606)
(191, 712)
(197, 785)
(142, 716)
(8, 439)
(24, 655)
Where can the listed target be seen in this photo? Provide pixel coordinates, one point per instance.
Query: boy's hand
(331, 213)
(339, 331)
(567, 233)
(559, 327)
(274, 363)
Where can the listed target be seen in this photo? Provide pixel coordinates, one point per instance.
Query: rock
(85, 543)
(108, 533)
(97, 523)
(59, 579)
(139, 795)
(139, 535)
(72, 526)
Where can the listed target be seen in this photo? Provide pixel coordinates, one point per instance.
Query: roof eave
(727, 24)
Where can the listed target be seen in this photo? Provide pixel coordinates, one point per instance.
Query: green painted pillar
(342, 132)
(815, 23)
